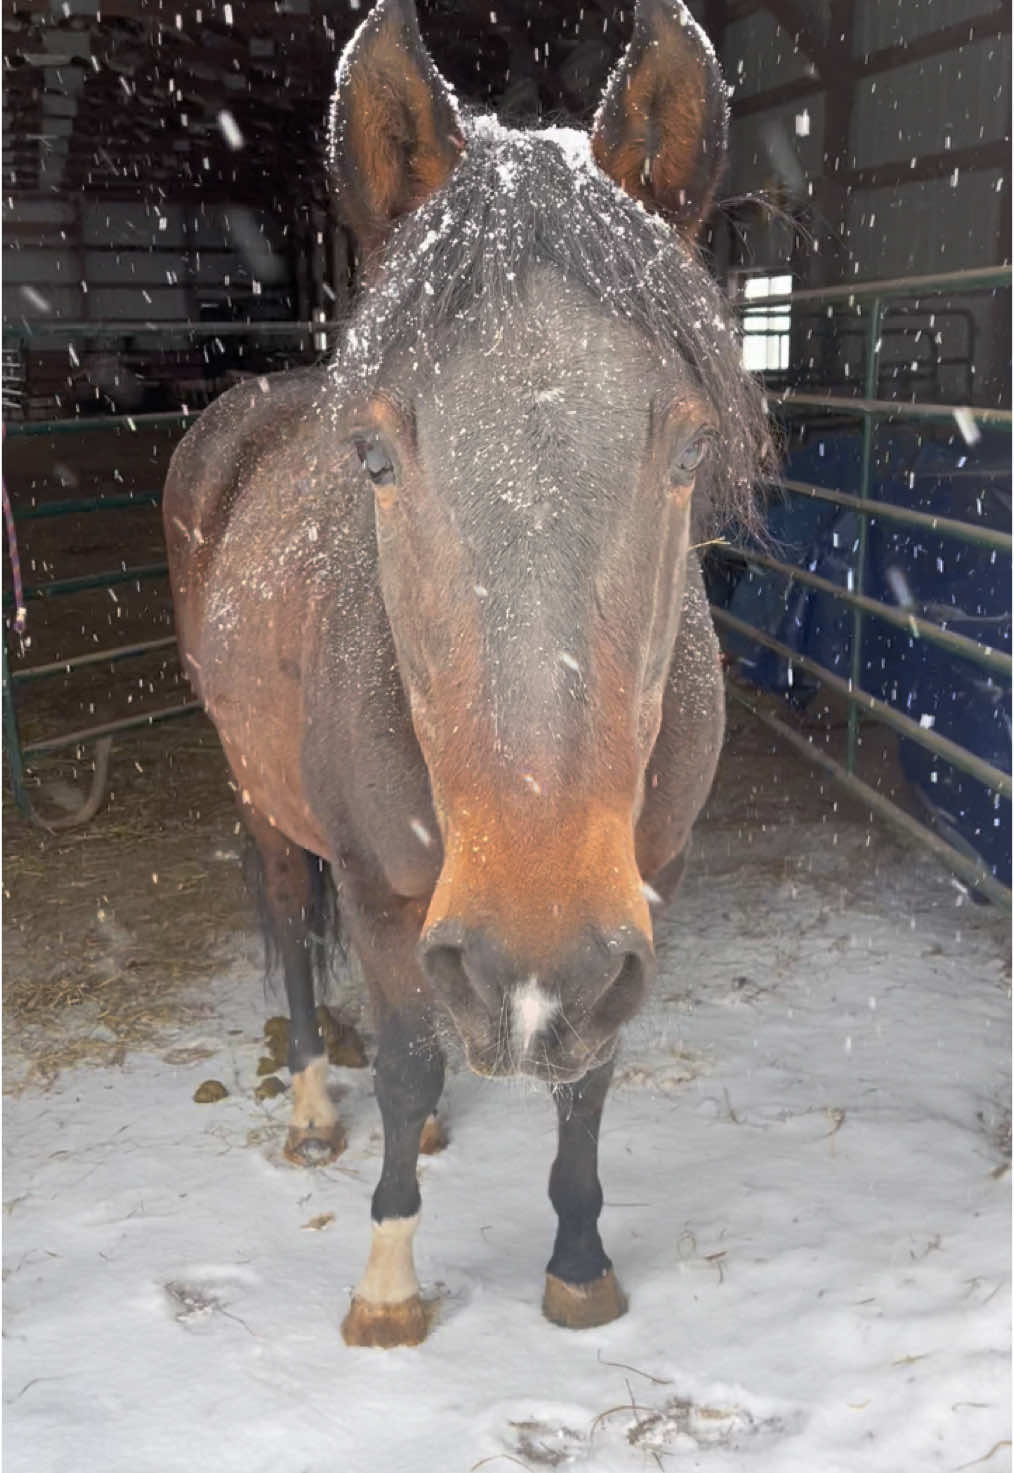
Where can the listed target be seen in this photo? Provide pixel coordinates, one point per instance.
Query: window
(766, 329)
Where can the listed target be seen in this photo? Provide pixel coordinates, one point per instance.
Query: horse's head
(545, 396)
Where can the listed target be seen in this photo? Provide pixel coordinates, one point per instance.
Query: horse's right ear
(395, 131)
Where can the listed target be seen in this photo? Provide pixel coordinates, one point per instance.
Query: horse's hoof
(434, 1136)
(385, 1326)
(581, 1306)
(314, 1145)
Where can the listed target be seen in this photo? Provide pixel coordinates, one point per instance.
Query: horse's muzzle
(555, 1021)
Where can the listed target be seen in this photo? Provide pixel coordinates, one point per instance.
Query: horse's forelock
(516, 201)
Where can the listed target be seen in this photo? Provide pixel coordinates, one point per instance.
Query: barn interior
(806, 1154)
(167, 234)
(167, 165)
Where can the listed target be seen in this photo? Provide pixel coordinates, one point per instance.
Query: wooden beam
(829, 262)
(993, 154)
(888, 59)
(772, 97)
(949, 38)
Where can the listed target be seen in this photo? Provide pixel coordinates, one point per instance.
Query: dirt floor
(107, 928)
(105, 925)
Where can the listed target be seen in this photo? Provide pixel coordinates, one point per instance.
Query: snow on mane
(519, 200)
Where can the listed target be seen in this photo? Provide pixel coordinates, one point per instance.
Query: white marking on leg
(390, 1272)
(311, 1104)
(532, 1009)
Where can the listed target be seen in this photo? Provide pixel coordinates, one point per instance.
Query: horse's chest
(301, 680)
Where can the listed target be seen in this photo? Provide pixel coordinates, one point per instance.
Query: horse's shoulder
(256, 408)
(254, 419)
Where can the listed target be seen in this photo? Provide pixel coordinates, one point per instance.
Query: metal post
(859, 565)
(12, 742)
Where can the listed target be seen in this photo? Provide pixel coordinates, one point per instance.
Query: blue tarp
(966, 588)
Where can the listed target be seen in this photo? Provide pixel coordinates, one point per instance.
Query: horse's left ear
(395, 130)
(662, 127)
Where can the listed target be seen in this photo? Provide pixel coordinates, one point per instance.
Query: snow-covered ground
(807, 1199)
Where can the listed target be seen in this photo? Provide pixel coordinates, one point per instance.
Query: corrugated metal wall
(944, 102)
(758, 54)
(117, 260)
(902, 207)
(108, 261)
(882, 23)
(112, 259)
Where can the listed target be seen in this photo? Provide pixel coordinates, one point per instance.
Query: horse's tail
(325, 938)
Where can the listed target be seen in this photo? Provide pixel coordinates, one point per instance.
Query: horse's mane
(521, 200)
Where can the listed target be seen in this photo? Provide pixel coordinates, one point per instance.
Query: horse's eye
(688, 460)
(377, 461)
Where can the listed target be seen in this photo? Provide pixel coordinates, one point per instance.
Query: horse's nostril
(456, 983)
(444, 967)
(623, 994)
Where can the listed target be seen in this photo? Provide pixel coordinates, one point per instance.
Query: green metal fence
(870, 300)
(19, 754)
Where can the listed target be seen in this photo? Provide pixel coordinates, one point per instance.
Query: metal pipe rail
(17, 429)
(976, 873)
(993, 777)
(28, 328)
(869, 299)
(887, 511)
(109, 728)
(85, 581)
(941, 283)
(93, 657)
(891, 408)
(956, 644)
(103, 733)
(78, 504)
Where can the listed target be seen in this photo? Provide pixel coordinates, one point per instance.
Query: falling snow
(230, 130)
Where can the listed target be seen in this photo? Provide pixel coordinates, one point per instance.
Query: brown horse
(441, 600)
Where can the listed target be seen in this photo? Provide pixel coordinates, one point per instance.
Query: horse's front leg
(581, 1288)
(386, 1309)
